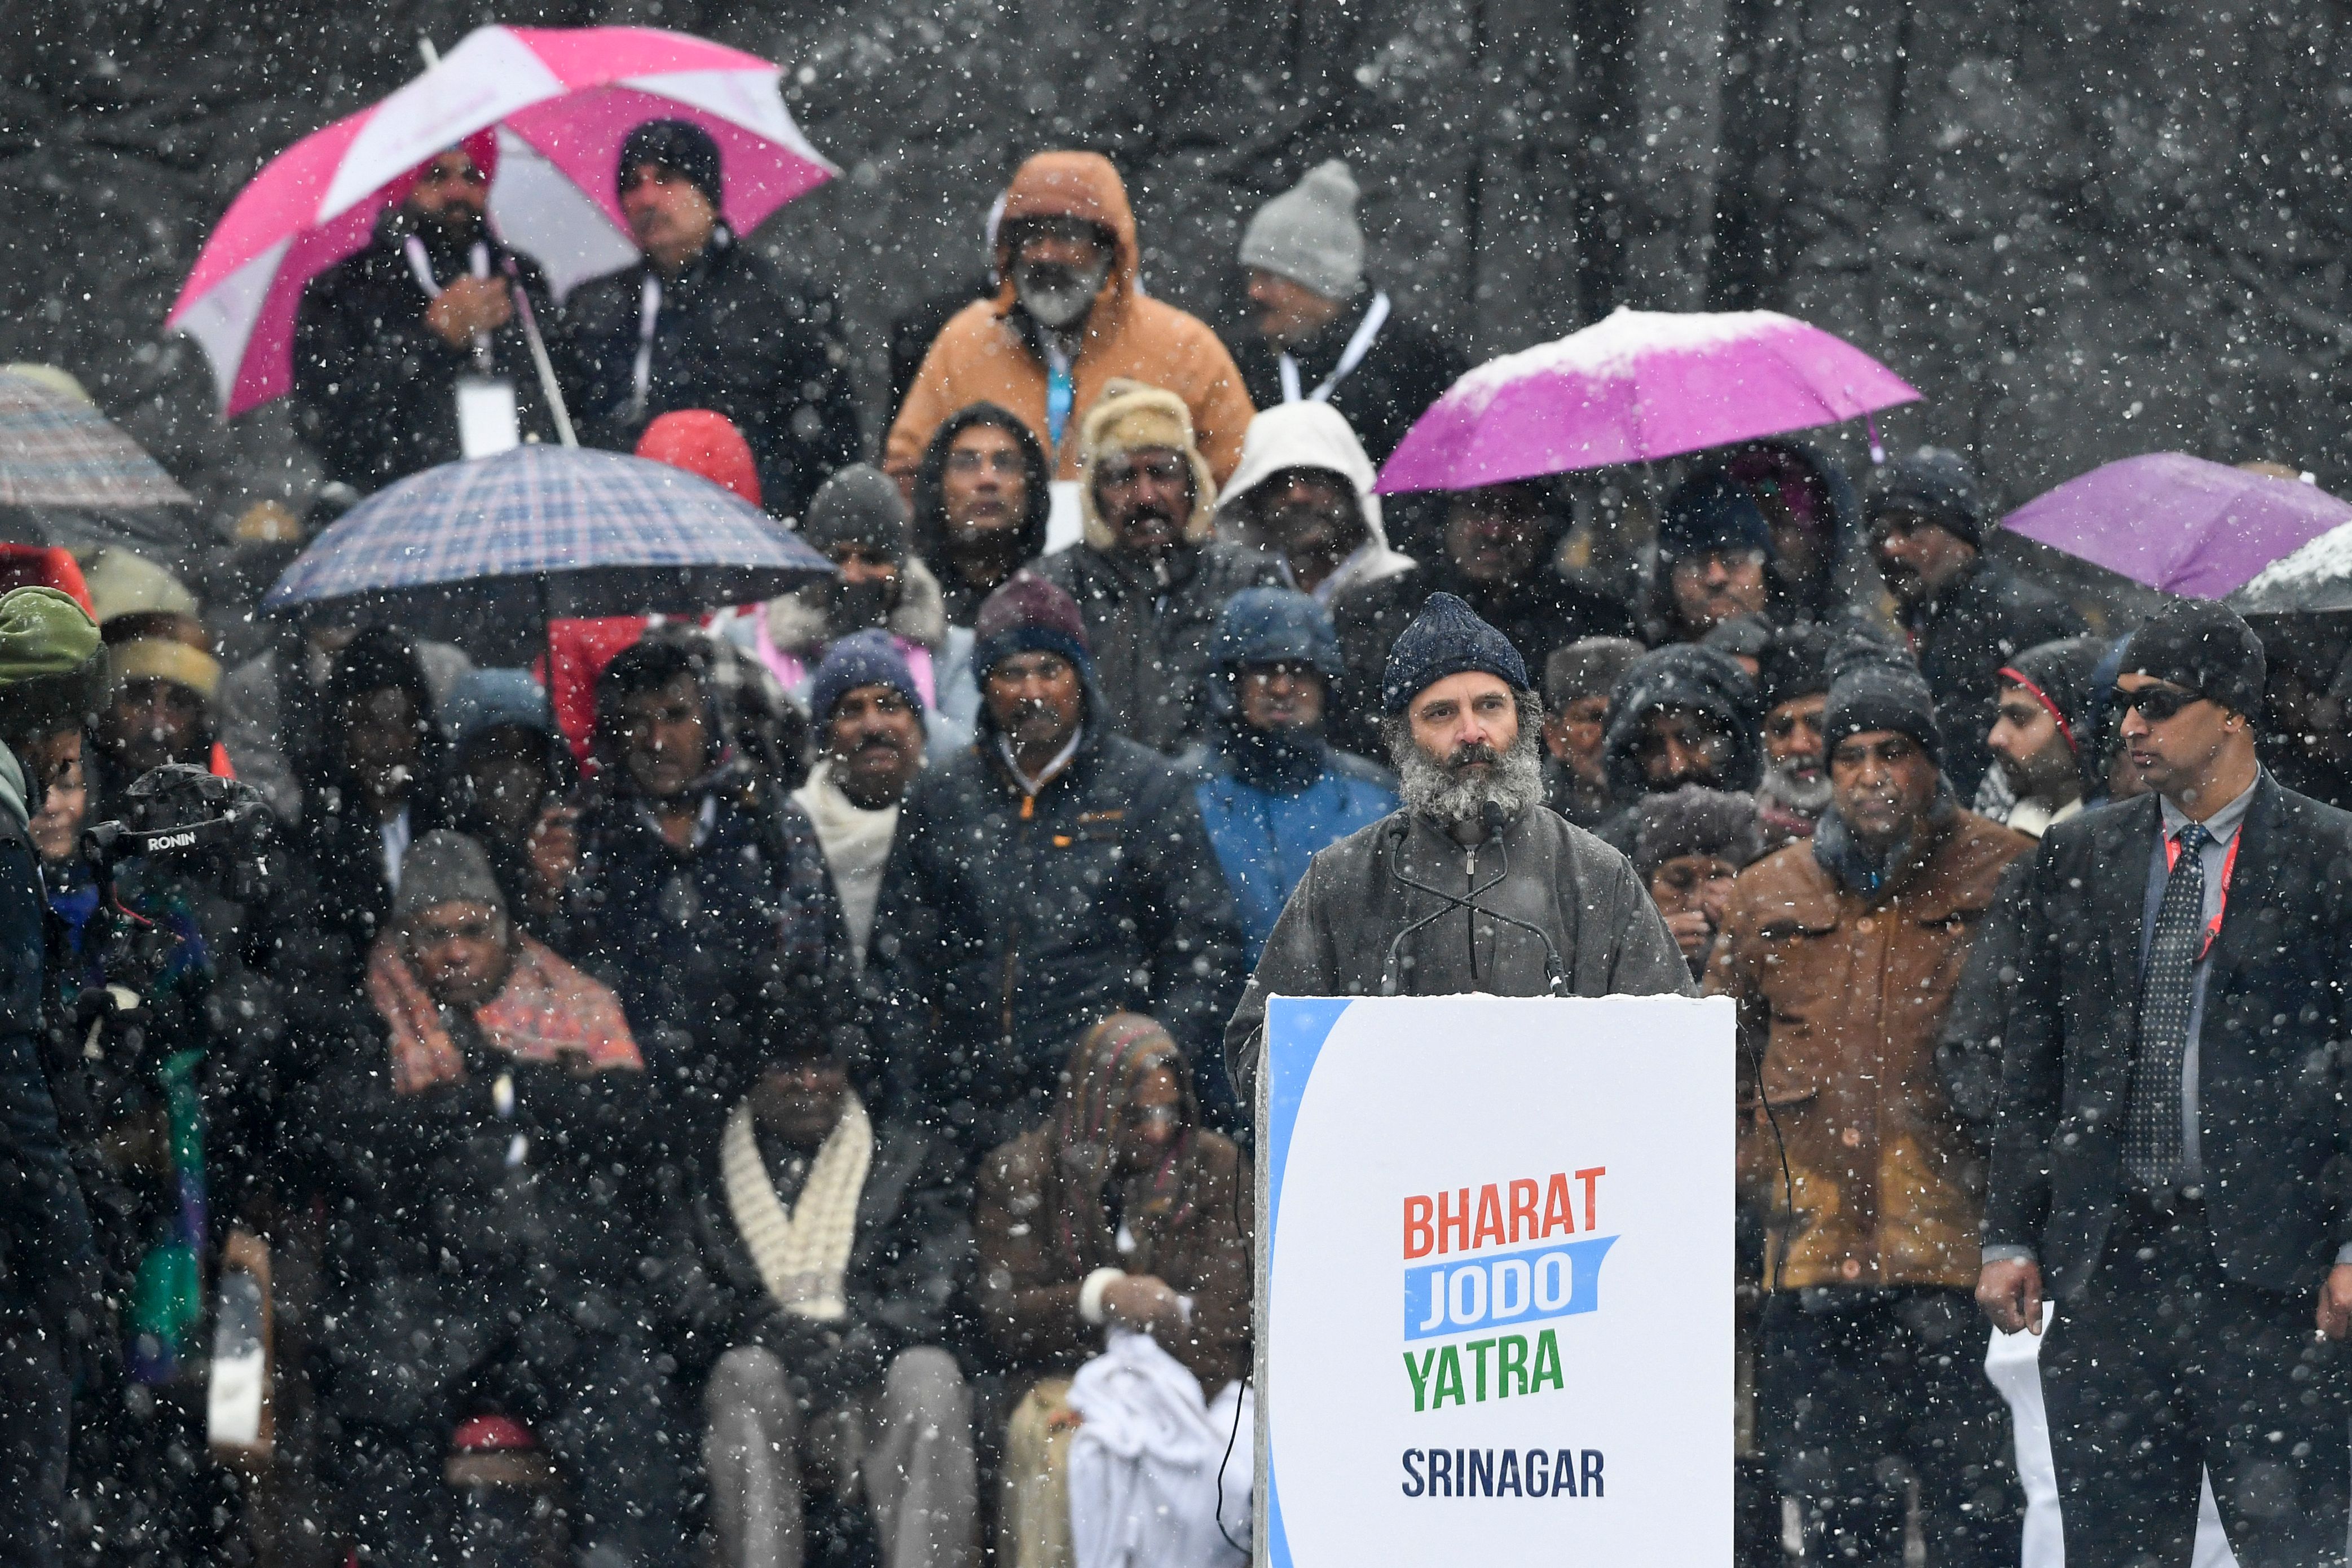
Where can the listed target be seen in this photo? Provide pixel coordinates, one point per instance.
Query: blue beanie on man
(1446, 638)
(862, 659)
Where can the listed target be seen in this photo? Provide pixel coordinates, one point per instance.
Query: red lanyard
(2229, 865)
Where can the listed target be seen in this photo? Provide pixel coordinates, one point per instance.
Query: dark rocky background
(2084, 230)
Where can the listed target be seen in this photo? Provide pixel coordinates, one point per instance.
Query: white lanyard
(414, 248)
(1349, 357)
(421, 266)
(648, 317)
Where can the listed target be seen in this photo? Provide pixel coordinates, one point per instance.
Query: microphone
(1494, 819)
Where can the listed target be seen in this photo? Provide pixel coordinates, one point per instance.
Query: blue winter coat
(1263, 840)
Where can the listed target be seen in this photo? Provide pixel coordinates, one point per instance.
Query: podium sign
(1494, 1303)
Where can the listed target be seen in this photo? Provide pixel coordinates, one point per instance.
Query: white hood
(1309, 435)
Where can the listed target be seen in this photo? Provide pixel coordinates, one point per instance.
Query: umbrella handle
(545, 366)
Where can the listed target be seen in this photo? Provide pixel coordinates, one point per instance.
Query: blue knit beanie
(1446, 638)
(1711, 510)
(862, 659)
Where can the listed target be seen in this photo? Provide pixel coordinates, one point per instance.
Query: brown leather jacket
(1028, 1294)
(1842, 996)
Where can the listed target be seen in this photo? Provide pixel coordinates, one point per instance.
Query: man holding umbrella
(382, 340)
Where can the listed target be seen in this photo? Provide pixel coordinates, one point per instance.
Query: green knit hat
(53, 669)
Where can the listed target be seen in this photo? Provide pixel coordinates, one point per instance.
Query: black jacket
(2271, 1085)
(375, 390)
(909, 1264)
(440, 1240)
(48, 1260)
(1150, 640)
(1010, 924)
(1405, 369)
(1540, 613)
(1962, 636)
(686, 939)
(733, 336)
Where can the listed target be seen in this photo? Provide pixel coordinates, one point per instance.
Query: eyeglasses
(2155, 703)
(968, 462)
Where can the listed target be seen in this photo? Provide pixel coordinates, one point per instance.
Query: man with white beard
(1792, 685)
(1069, 315)
(1525, 904)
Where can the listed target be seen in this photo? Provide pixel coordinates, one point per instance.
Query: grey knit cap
(1310, 235)
(444, 867)
(858, 505)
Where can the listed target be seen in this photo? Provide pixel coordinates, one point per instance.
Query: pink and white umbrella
(561, 100)
(1638, 384)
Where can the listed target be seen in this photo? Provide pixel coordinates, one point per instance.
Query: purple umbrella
(1638, 385)
(2180, 523)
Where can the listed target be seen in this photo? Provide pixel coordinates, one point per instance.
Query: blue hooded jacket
(1269, 801)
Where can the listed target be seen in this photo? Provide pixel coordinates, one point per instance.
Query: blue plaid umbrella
(483, 552)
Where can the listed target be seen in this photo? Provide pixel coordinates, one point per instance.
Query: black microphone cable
(1556, 969)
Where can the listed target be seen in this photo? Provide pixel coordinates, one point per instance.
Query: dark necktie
(2167, 985)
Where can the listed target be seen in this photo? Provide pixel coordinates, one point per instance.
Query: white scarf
(803, 1253)
(855, 842)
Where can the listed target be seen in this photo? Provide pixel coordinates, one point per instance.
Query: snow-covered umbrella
(2180, 523)
(1638, 385)
(562, 99)
(2316, 579)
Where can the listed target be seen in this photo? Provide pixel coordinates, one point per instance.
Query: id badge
(487, 422)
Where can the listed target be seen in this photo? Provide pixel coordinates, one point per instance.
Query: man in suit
(2173, 1099)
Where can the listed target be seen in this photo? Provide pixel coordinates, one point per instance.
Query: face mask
(858, 605)
(1058, 296)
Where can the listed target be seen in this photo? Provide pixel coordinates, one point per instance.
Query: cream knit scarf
(802, 1253)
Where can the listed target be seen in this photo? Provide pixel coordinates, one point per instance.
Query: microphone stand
(1491, 815)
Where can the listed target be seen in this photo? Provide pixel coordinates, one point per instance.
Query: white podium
(1494, 1282)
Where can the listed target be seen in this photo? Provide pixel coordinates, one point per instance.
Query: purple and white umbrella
(2180, 523)
(1638, 386)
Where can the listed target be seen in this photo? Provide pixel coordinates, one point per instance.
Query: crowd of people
(788, 1072)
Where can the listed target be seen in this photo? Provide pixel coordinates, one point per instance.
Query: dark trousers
(598, 1402)
(2162, 1366)
(1852, 1381)
(35, 1421)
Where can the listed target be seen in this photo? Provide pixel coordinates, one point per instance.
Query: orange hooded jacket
(980, 357)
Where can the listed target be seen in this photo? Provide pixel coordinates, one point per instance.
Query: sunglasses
(2155, 703)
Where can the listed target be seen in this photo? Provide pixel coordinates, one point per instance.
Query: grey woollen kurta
(1335, 931)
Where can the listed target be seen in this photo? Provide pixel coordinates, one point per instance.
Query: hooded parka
(1311, 435)
(992, 351)
(962, 599)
